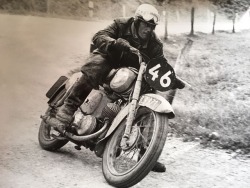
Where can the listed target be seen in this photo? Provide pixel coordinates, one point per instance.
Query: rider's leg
(80, 90)
(94, 71)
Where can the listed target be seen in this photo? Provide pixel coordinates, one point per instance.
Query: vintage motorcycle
(125, 122)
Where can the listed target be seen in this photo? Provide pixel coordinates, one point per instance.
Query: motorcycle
(124, 122)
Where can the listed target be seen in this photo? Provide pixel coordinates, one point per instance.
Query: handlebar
(136, 52)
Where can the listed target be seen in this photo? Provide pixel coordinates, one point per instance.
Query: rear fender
(56, 88)
(62, 83)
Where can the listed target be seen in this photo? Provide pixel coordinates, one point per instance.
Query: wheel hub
(127, 144)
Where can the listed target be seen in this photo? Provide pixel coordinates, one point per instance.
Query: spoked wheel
(45, 138)
(126, 165)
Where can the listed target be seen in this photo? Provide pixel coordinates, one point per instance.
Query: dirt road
(33, 53)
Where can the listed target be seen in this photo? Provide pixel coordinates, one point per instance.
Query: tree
(192, 21)
(231, 8)
(166, 4)
(214, 20)
(177, 3)
(214, 7)
(194, 4)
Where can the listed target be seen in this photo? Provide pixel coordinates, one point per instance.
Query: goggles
(149, 23)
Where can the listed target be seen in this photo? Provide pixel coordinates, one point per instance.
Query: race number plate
(149, 101)
(160, 75)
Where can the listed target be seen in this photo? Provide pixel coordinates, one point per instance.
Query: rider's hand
(122, 45)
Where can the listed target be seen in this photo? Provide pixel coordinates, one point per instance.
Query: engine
(100, 104)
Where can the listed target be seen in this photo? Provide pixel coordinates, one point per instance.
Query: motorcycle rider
(112, 49)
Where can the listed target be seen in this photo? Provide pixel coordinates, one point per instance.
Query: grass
(218, 69)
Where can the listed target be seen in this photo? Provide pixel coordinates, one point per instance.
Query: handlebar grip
(134, 50)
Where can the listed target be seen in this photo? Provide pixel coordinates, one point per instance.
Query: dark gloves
(121, 45)
(121, 51)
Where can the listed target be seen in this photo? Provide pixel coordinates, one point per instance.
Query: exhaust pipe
(73, 137)
(88, 137)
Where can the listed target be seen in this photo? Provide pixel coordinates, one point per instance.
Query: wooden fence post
(165, 24)
(48, 6)
(215, 13)
(123, 10)
(33, 7)
(192, 21)
(91, 9)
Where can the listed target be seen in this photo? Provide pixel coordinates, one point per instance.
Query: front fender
(154, 102)
(157, 103)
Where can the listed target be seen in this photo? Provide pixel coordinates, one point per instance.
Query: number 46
(165, 81)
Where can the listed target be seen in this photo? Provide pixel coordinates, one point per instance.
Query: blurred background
(207, 14)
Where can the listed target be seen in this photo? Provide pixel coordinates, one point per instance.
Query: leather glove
(121, 45)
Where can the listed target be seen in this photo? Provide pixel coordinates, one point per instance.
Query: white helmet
(148, 13)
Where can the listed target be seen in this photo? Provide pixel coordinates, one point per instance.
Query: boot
(159, 167)
(65, 113)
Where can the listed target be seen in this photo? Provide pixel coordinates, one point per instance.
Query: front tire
(124, 167)
(45, 139)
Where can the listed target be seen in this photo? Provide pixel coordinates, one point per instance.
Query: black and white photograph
(125, 93)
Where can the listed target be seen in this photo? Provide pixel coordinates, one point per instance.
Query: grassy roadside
(218, 69)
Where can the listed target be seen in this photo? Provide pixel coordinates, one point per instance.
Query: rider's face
(145, 29)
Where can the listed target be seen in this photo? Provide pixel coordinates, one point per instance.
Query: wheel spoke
(125, 160)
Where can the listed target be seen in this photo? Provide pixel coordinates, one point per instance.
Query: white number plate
(149, 101)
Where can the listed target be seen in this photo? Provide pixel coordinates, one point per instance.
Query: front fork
(133, 104)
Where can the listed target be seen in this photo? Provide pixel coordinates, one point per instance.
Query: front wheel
(126, 166)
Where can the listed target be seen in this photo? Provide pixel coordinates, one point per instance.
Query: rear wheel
(124, 166)
(46, 141)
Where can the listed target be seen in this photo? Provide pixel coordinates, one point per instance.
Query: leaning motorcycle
(125, 122)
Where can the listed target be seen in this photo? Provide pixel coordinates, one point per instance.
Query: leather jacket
(125, 28)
